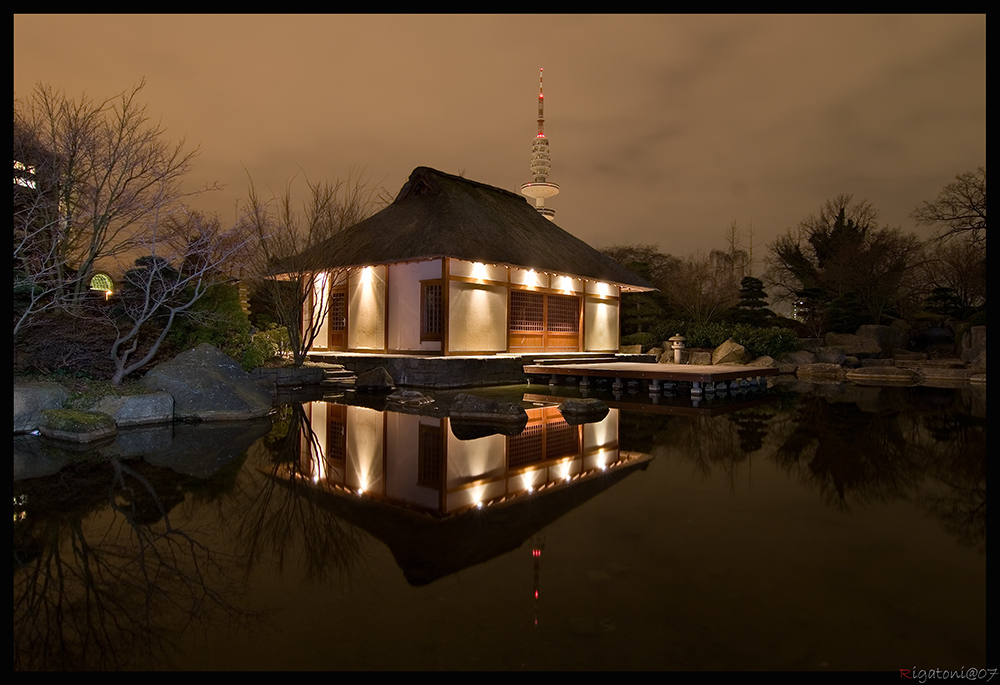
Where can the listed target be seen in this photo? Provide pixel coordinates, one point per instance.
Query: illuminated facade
(456, 267)
(418, 460)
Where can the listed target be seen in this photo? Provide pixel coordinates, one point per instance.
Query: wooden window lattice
(564, 314)
(338, 311)
(527, 311)
(431, 311)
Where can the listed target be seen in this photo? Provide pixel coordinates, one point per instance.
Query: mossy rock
(77, 426)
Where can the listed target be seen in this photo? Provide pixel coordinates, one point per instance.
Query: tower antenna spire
(541, 107)
(541, 163)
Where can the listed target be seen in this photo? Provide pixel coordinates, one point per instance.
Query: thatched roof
(440, 215)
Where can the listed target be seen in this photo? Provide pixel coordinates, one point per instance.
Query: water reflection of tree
(281, 516)
(849, 454)
(954, 453)
(103, 578)
(721, 442)
(920, 444)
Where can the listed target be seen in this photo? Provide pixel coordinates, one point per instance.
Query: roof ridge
(421, 172)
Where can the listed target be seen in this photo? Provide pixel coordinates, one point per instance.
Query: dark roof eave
(628, 287)
(438, 211)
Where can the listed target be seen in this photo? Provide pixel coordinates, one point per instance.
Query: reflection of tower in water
(537, 545)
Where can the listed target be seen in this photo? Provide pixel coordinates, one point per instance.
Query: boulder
(410, 398)
(855, 345)
(700, 357)
(76, 426)
(887, 338)
(30, 399)
(208, 385)
(798, 357)
(374, 381)
(974, 347)
(786, 367)
(829, 355)
(474, 408)
(876, 362)
(585, 410)
(630, 349)
(668, 356)
(729, 352)
(137, 410)
(881, 375)
(820, 371)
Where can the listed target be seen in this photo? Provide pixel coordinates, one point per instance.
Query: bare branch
(960, 208)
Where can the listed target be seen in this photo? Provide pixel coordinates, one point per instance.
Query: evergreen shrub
(771, 341)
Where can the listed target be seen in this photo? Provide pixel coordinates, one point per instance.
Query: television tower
(541, 163)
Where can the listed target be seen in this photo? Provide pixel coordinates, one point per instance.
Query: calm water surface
(818, 528)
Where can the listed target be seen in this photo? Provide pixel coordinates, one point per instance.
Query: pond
(804, 528)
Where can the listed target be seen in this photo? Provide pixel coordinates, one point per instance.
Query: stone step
(336, 374)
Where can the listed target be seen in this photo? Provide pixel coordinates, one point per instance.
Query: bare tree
(960, 268)
(645, 260)
(37, 272)
(103, 169)
(960, 208)
(282, 231)
(740, 253)
(184, 259)
(705, 286)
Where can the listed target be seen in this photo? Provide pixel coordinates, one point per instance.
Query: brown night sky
(663, 128)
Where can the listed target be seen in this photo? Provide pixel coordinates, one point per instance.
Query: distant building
(456, 267)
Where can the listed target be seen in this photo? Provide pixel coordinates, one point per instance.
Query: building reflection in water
(420, 463)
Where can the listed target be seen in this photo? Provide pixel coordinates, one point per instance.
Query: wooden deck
(697, 375)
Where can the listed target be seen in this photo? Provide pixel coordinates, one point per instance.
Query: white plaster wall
(402, 457)
(366, 307)
(602, 434)
(404, 304)
(600, 322)
(529, 278)
(365, 449)
(603, 289)
(318, 304)
(566, 284)
(475, 470)
(477, 270)
(477, 317)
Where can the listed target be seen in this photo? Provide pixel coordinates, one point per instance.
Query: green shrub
(258, 351)
(218, 319)
(646, 339)
(759, 342)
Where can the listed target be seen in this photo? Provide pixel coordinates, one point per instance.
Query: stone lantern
(677, 344)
